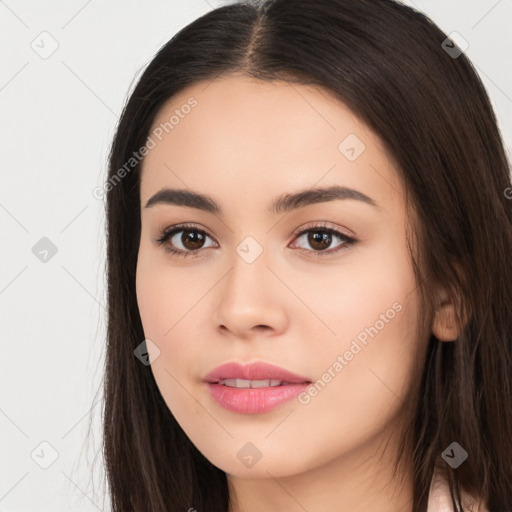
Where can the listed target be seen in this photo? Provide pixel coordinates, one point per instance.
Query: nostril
(264, 327)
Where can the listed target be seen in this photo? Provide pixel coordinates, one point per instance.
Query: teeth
(243, 383)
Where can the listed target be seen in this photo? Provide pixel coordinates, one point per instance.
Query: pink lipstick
(253, 388)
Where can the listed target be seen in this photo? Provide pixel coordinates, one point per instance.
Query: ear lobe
(444, 325)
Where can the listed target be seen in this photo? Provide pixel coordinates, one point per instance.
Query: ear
(444, 325)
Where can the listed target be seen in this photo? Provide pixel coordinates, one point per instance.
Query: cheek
(169, 305)
(363, 391)
(371, 307)
(371, 296)
(150, 298)
(165, 295)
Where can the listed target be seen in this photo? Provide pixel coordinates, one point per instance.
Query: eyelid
(329, 226)
(183, 227)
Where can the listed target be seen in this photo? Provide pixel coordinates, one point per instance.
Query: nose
(251, 300)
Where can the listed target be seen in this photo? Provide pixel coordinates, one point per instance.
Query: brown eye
(192, 239)
(183, 240)
(320, 239)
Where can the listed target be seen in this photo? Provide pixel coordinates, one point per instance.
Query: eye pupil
(316, 237)
(195, 237)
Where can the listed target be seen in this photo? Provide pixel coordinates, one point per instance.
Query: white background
(58, 117)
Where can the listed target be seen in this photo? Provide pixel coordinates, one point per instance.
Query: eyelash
(169, 232)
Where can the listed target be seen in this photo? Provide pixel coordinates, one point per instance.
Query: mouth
(253, 388)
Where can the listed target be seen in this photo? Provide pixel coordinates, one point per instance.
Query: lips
(257, 371)
(253, 388)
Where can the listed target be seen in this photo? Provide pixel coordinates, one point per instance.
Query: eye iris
(195, 237)
(316, 237)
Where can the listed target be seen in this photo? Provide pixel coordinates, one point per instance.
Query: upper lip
(253, 371)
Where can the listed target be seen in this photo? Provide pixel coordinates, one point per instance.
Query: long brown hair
(392, 66)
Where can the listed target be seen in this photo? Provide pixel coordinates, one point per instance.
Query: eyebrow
(282, 204)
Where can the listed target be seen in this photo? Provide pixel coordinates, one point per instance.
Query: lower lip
(254, 400)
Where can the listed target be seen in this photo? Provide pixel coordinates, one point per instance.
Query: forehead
(241, 134)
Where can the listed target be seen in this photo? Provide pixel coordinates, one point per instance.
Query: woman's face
(341, 315)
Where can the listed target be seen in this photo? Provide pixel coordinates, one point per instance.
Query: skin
(245, 143)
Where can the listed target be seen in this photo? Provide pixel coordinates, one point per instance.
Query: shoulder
(440, 499)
